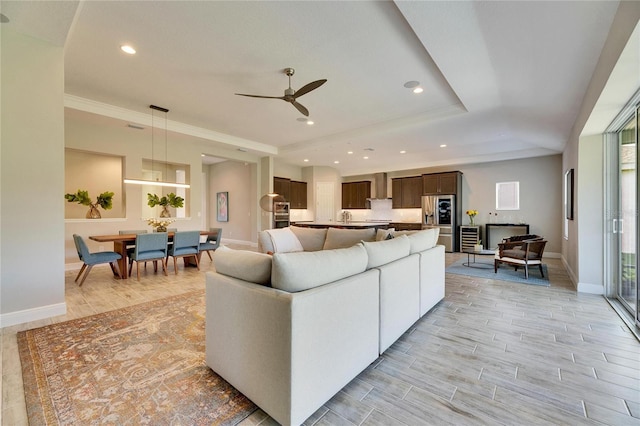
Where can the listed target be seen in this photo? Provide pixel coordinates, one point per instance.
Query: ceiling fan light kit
(291, 95)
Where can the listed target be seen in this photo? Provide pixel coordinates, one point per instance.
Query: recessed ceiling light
(349, 152)
(444, 145)
(202, 155)
(418, 90)
(310, 122)
(128, 49)
(411, 84)
(306, 160)
(336, 162)
(365, 157)
(403, 152)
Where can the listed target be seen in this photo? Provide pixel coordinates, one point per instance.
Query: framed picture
(222, 206)
(568, 184)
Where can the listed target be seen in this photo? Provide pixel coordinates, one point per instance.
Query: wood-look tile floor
(492, 352)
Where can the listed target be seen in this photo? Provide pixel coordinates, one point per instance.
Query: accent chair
(185, 244)
(149, 247)
(212, 242)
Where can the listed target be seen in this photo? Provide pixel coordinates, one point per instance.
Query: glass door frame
(612, 214)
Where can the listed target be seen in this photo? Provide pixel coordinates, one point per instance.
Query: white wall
(236, 178)
(32, 179)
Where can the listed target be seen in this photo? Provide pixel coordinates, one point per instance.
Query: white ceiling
(501, 80)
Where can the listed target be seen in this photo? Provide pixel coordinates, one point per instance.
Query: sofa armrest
(291, 352)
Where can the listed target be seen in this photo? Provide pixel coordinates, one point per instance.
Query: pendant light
(158, 182)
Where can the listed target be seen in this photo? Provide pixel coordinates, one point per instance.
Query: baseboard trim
(572, 276)
(590, 288)
(34, 314)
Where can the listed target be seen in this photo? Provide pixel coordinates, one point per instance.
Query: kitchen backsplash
(380, 210)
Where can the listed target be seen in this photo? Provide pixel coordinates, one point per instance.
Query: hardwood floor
(492, 352)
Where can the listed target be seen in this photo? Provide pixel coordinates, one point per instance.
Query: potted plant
(104, 200)
(165, 201)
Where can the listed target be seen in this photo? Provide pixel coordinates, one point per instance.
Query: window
(508, 196)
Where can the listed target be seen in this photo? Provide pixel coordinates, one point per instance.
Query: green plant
(170, 199)
(104, 200)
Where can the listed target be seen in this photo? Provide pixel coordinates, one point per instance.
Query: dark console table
(496, 232)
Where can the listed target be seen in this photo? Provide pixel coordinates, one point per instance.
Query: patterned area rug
(140, 365)
(483, 268)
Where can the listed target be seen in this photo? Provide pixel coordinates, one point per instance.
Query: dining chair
(149, 247)
(212, 242)
(90, 259)
(130, 247)
(185, 244)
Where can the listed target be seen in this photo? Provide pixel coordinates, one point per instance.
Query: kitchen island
(343, 225)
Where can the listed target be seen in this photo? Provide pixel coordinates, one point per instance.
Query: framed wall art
(222, 206)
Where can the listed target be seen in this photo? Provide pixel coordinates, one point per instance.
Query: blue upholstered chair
(91, 259)
(130, 247)
(149, 247)
(212, 243)
(185, 244)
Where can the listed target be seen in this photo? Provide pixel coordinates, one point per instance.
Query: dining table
(121, 241)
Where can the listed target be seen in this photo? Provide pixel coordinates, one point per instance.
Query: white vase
(477, 247)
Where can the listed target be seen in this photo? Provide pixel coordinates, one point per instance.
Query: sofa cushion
(245, 265)
(264, 242)
(386, 251)
(312, 239)
(343, 238)
(294, 272)
(284, 240)
(423, 240)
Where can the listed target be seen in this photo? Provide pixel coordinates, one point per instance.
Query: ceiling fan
(291, 95)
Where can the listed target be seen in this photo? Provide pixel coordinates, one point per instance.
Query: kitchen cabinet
(405, 226)
(298, 195)
(294, 192)
(282, 186)
(441, 183)
(407, 192)
(355, 194)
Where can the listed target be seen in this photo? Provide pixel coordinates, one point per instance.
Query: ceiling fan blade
(300, 108)
(260, 96)
(309, 87)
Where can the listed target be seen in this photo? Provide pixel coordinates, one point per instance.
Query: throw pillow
(383, 234)
(343, 238)
(294, 272)
(284, 240)
(311, 239)
(382, 252)
(245, 265)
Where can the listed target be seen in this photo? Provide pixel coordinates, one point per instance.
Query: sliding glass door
(625, 225)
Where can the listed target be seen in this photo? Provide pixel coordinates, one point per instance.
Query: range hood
(379, 187)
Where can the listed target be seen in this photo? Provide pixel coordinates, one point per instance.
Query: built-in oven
(281, 218)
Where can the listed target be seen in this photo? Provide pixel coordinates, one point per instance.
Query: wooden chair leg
(138, 269)
(175, 265)
(495, 266)
(84, 265)
(209, 254)
(85, 275)
(115, 269)
(164, 267)
(195, 256)
(541, 271)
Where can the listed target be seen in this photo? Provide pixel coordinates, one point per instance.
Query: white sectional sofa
(289, 330)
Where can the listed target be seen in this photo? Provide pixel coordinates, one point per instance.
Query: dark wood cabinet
(407, 192)
(355, 194)
(405, 226)
(282, 186)
(298, 195)
(293, 191)
(440, 183)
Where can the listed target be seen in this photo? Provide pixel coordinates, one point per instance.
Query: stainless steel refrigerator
(439, 211)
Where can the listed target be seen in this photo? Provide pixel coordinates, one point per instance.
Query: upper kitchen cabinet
(282, 186)
(407, 192)
(441, 183)
(355, 194)
(298, 195)
(294, 192)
